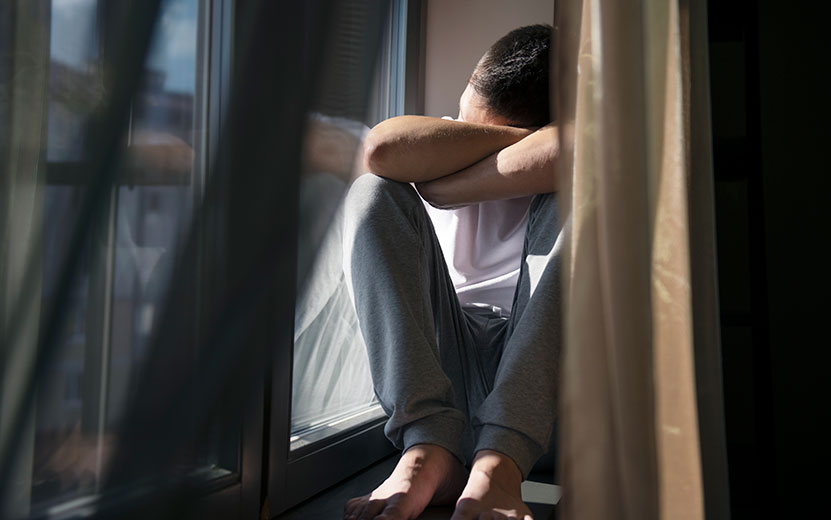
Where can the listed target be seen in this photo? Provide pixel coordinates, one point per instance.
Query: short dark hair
(513, 76)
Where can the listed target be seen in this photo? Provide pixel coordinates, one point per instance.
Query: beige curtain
(639, 288)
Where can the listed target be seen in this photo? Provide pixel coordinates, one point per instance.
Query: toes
(353, 507)
(360, 513)
(373, 507)
(391, 513)
(468, 509)
(459, 515)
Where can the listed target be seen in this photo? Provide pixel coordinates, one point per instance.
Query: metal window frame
(414, 55)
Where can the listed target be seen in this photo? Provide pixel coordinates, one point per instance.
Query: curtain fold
(630, 445)
(22, 178)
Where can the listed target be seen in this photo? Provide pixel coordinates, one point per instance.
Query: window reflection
(331, 383)
(332, 388)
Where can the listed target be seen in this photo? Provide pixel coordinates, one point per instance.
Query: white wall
(458, 33)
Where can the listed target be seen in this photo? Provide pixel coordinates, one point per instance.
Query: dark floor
(328, 505)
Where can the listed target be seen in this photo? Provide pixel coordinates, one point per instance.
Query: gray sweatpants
(445, 375)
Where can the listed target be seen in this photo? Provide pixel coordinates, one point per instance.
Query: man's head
(510, 84)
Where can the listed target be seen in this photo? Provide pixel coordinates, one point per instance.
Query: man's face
(474, 109)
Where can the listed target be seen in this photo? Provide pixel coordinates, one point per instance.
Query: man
(459, 306)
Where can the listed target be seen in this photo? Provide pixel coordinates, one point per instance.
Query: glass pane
(153, 215)
(68, 451)
(129, 259)
(75, 85)
(66, 457)
(332, 388)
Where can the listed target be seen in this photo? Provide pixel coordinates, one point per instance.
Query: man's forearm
(419, 149)
(524, 168)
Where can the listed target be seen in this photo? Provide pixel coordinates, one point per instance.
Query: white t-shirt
(482, 245)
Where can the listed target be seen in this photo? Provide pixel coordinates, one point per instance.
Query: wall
(794, 115)
(770, 125)
(458, 33)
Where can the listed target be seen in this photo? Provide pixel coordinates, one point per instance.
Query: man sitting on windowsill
(458, 300)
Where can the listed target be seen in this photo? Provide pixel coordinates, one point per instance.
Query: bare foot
(493, 490)
(426, 474)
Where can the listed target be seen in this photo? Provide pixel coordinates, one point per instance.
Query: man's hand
(523, 168)
(420, 149)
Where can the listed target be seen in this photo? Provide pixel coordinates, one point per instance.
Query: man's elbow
(435, 195)
(376, 154)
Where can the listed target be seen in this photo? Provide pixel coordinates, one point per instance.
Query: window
(161, 324)
(335, 419)
(109, 312)
(331, 385)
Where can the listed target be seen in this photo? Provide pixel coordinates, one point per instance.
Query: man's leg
(421, 351)
(514, 422)
(518, 414)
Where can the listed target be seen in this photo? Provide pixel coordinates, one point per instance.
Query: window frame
(220, 494)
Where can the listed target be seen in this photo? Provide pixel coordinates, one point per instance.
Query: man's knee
(371, 194)
(544, 208)
(543, 225)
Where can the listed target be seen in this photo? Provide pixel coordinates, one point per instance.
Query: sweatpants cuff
(436, 429)
(518, 446)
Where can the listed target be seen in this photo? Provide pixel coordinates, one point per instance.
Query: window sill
(328, 505)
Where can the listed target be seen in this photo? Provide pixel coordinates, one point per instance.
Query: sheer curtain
(24, 56)
(641, 420)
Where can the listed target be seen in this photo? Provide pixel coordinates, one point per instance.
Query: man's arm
(523, 168)
(420, 149)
